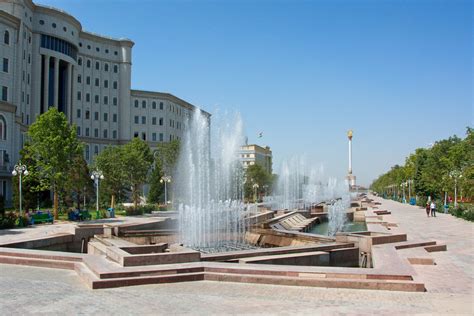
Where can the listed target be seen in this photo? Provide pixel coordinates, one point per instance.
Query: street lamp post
(20, 170)
(166, 180)
(255, 186)
(97, 175)
(455, 174)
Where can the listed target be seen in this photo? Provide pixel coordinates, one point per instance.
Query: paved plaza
(449, 285)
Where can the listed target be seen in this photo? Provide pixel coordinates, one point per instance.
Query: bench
(41, 218)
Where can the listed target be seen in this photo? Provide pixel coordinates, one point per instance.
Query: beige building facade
(255, 154)
(49, 60)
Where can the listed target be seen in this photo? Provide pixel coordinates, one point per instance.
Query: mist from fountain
(301, 185)
(208, 186)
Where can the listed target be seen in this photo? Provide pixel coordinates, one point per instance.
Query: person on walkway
(433, 209)
(427, 208)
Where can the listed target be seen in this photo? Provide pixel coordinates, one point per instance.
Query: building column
(46, 82)
(69, 92)
(56, 82)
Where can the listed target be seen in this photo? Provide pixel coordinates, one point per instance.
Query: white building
(48, 60)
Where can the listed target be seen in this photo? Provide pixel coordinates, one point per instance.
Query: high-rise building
(49, 60)
(255, 154)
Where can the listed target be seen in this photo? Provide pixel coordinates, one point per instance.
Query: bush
(465, 211)
(8, 220)
(140, 210)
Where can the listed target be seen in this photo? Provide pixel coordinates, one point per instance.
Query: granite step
(37, 262)
(367, 284)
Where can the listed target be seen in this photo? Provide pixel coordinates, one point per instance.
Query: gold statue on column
(349, 134)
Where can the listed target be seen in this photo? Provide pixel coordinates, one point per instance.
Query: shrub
(140, 210)
(8, 220)
(465, 211)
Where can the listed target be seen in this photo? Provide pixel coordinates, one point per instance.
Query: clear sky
(399, 73)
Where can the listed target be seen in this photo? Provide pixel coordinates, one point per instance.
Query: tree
(137, 160)
(79, 181)
(166, 156)
(111, 162)
(53, 145)
(256, 174)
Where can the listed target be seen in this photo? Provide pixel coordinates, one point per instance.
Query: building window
(78, 131)
(88, 114)
(106, 83)
(3, 128)
(41, 22)
(144, 104)
(79, 78)
(97, 65)
(135, 134)
(96, 82)
(88, 47)
(161, 105)
(115, 68)
(88, 80)
(161, 137)
(64, 29)
(96, 99)
(161, 121)
(115, 85)
(106, 66)
(106, 100)
(79, 60)
(88, 97)
(96, 150)
(153, 105)
(5, 66)
(96, 132)
(136, 103)
(97, 49)
(79, 95)
(114, 118)
(53, 25)
(115, 101)
(78, 113)
(136, 119)
(88, 65)
(87, 131)
(6, 37)
(115, 53)
(143, 135)
(153, 121)
(143, 119)
(105, 134)
(114, 134)
(106, 117)
(96, 116)
(4, 93)
(87, 152)
(106, 51)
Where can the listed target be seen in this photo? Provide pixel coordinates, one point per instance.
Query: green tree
(53, 145)
(166, 156)
(137, 160)
(111, 162)
(256, 174)
(79, 181)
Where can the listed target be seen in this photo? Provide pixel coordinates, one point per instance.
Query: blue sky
(399, 73)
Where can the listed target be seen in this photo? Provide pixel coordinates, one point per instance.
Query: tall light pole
(455, 174)
(166, 180)
(97, 175)
(20, 170)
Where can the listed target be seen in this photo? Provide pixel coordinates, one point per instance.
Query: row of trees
(54, 157)
(433, 171)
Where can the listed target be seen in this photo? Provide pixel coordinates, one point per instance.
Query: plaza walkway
(454, 272)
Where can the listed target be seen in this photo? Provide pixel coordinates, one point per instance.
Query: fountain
(209, 186)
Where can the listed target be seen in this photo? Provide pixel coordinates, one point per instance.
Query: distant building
(254, 154)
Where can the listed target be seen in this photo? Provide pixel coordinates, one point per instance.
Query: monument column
(351, 179)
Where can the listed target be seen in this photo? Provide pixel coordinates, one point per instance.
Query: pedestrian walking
(433, 209)
(427, 208)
